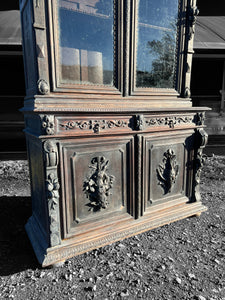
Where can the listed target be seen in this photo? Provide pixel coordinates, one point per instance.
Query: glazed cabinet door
(167, 169)
(98, 182)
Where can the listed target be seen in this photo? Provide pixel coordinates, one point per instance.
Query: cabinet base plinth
(55, 256)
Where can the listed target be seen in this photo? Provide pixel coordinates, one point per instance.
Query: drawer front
(98, 182)
(166, 167)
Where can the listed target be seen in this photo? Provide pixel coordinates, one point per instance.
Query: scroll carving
(97, 187)
(48, 124)
(168, 171)
(169, 121)
(52, 190)
(95, 125)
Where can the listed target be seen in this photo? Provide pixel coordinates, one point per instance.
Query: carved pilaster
(201, 138)
(140, 204)
(52, 191)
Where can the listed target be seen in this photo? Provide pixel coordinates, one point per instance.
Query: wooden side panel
(38, 185)
(166, 167)
(98, 182)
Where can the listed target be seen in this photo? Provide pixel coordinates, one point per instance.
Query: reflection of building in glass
(88, 7)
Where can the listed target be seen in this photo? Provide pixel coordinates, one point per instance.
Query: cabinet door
(167, 168)
(97, 181)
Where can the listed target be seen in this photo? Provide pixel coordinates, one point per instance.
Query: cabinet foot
(198, 215)
(58, 264)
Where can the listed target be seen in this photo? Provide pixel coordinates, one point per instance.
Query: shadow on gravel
(16, 253)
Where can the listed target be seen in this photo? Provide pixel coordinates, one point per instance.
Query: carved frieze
(98, 185)
(47, 124)
(169, 121)
(95, 125)
(167, 171)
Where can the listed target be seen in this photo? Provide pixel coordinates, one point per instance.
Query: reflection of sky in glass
(156, 18)
(88, 25)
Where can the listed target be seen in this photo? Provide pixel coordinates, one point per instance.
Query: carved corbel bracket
(52, 191)
(201, 139)
(192, 16)
(139, 122)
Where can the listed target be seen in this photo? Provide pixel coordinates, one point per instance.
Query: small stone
(201, 298)
(217, 261)
(178, 280)
(191, 276)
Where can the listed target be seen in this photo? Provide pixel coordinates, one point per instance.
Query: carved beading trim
(95, 125)
(47, 124)
(139, 177)
(98, 185)
(168, 171)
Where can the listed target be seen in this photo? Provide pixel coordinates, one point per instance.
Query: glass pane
(156, 43)
(86, 41)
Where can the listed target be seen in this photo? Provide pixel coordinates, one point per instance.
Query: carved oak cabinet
(114, 144)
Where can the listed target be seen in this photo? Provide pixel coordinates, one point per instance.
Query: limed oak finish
(114, 144)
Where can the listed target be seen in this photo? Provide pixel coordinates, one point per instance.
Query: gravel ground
(183, 260)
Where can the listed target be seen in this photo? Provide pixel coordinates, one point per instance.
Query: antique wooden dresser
(114, 144)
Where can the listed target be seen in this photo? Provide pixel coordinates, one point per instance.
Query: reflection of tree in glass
(162, 73)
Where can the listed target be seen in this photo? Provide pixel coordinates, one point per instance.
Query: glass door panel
(156, 43)
(86, 42)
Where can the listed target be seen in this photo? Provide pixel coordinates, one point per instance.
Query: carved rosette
(47, 124)
(95, 125)
(52, 190)
(168, 171)
(98, 185)
(43, 87)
